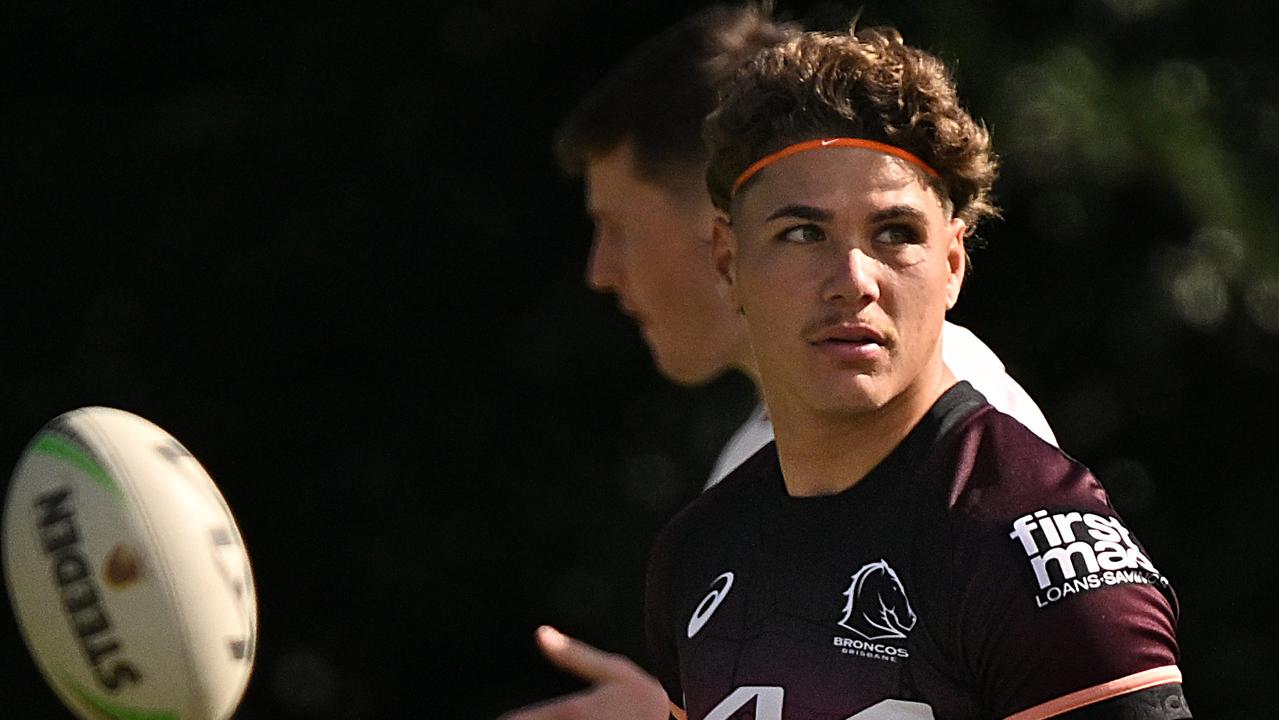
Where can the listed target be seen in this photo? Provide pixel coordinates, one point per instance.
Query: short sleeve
(1054, 599)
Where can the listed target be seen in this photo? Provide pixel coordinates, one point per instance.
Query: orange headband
(893, 150)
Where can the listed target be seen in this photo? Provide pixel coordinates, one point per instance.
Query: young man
(637, 139)
(904, 550)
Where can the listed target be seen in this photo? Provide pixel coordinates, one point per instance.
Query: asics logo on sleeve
(708, 604)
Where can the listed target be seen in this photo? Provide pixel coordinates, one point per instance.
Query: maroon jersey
(977, 572)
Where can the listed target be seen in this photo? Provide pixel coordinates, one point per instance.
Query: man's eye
(898, 235)
(803, 234)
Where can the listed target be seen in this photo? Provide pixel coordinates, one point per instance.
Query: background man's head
(637, 141)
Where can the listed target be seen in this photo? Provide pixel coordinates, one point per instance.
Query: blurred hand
(619, 690)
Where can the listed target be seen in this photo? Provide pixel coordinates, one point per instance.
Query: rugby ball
(127, 573)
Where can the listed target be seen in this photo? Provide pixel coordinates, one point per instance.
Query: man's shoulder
(728, 502)
(1003, 432)
(753, 434)
(997, 464)
(1046, 571)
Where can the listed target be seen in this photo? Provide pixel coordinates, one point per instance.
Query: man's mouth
(849, 341)
(848, 333)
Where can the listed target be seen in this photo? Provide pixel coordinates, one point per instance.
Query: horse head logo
(877, 608)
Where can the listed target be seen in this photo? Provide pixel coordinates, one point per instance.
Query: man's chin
(863, 394)
(685, 372)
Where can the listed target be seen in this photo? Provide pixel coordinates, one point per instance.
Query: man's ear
(957, 259)
(724, 253)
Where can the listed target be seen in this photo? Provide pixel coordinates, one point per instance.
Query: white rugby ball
(127, 573)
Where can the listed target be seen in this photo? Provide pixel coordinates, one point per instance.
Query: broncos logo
(877, 608)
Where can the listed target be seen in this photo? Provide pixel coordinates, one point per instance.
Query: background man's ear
(724, 253)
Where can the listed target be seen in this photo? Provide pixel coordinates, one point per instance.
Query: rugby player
(904, 549)
(844, 263)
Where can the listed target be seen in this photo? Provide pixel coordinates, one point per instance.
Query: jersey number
(768, 706)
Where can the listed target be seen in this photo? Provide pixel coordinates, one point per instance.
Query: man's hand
(619, 690)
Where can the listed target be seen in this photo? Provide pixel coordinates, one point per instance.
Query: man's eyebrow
(898, 212)
(803, 212)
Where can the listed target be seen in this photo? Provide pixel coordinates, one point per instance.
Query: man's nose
(601, 272)
(852, 278)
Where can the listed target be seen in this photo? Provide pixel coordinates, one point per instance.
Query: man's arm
(1161, 702)
(1062, 613)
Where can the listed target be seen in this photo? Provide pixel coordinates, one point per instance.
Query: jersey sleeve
(1057, 606)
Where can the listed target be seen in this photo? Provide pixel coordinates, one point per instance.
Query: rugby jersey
(977, 572)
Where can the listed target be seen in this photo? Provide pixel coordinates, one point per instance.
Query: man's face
(652, 249)
(845, 263)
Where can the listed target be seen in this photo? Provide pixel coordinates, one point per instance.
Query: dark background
(327, 248)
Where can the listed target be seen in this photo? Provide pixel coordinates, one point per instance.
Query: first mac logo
(1073, 552)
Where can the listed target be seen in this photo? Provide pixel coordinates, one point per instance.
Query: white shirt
(968, 359)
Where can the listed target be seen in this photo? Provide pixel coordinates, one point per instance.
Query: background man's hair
(659, 96)
(864, 84)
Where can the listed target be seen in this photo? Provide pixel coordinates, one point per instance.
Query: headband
(893, 150)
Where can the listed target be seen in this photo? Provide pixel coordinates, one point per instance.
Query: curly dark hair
(865, 84)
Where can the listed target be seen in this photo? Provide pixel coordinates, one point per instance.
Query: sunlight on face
(844, 262)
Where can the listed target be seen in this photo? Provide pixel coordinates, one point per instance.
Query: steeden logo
(709, 603)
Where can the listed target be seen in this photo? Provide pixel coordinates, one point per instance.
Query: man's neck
(826, 454)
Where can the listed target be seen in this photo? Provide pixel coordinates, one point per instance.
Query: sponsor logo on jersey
(1073, 552)
(719, 590)
(878, 612)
